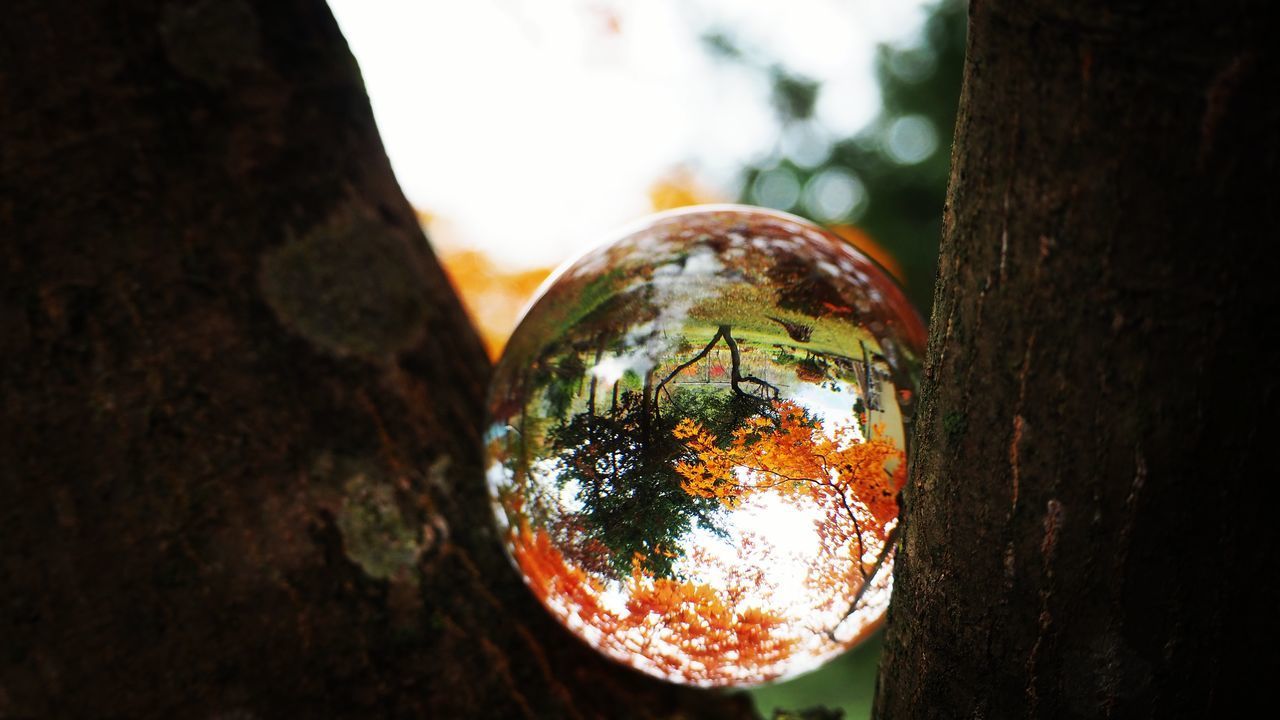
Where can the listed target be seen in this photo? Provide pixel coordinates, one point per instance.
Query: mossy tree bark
(1088, 528)
(242, 406)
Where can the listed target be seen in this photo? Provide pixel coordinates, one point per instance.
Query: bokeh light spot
(835, 195)
(776, 188)
(910, 139)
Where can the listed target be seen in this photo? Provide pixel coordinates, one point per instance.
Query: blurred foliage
(493, 295)
(679, 188)
(888, 181)
(881, 189)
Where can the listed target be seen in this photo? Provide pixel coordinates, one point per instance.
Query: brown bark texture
(1089, 527)
(242, 406)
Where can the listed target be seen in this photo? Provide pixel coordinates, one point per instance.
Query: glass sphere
(698, 434)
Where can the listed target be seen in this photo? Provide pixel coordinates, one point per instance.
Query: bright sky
(529, 128)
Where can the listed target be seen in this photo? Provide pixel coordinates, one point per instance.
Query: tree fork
(242, 406)
(1087, 529)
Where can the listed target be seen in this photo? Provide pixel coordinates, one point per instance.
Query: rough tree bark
(1088, 531)
(241, 404)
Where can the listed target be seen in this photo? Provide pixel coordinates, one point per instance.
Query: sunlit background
(524, 131)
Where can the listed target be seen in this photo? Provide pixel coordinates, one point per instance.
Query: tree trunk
(242, 407)
(1087, 531)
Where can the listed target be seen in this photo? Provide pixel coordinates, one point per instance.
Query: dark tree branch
(736, 378)
(890, 539)
(690, 362)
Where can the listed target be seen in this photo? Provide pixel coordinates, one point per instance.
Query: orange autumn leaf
(679, 188)
(687, 629)
(492, 295)
(855, 481)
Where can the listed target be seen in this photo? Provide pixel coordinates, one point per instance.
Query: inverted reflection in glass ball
(698, 437)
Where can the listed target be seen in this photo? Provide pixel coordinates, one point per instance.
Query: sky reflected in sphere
(698, 434)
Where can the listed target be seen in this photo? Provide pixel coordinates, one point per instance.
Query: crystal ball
(697, 437)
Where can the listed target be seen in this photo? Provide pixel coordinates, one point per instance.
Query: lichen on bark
(350, 286)
(376, 534)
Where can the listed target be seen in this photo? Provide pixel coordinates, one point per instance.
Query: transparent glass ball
(697, 438)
